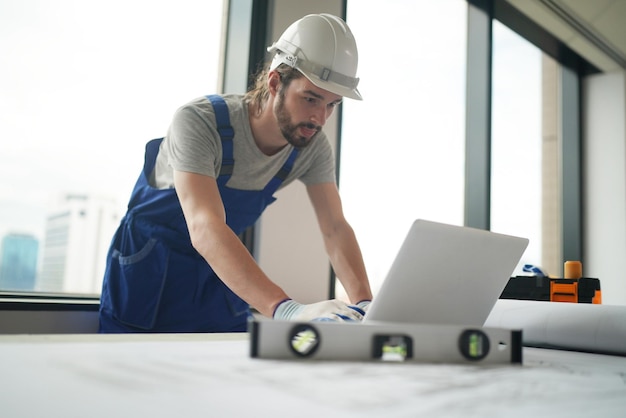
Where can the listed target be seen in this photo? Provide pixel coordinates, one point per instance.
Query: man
(176, 263)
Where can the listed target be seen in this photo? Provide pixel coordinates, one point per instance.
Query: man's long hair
(258, 95)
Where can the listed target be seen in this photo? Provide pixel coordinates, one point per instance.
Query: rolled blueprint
(570, 326)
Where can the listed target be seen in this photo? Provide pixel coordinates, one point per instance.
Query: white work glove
(364, 305)
(328, 310)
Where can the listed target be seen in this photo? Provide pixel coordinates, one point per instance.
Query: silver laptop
(446, 274)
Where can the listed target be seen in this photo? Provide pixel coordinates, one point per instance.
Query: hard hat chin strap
(312, 69)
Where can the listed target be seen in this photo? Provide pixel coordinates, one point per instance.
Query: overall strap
(152, 149)
(282, 174)
(226, 133)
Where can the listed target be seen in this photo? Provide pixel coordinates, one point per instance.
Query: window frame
(481, 14)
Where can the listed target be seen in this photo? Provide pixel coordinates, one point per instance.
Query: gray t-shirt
(193, 145)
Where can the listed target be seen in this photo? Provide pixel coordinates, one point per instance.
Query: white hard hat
(322, 47)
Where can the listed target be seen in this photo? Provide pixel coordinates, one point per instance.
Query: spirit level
(273, 339)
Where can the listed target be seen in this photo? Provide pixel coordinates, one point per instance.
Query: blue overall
(155, 281)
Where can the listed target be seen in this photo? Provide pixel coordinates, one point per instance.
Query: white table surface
(206, 375)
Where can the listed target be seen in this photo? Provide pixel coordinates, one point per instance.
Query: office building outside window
(18, 262)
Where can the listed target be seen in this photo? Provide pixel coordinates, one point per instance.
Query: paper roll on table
(571, 326)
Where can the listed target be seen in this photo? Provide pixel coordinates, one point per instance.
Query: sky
(84, 85)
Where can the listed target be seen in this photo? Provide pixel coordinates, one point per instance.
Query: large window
(516, 138)
(84, 85)
(524, 138)
(403, 147)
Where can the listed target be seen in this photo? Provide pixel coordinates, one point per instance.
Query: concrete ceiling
(595, 29)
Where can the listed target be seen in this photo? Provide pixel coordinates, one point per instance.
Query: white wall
(291, 250)
(604, 177)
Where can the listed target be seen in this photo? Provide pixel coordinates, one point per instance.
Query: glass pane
(84, 86)
(403, 147)
(524, 148)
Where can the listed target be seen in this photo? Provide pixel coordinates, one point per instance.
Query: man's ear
(273, 82)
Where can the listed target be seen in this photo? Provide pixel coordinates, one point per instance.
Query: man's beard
(289, 130)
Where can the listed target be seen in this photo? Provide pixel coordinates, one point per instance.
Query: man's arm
(210, 235)
(340, 241)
